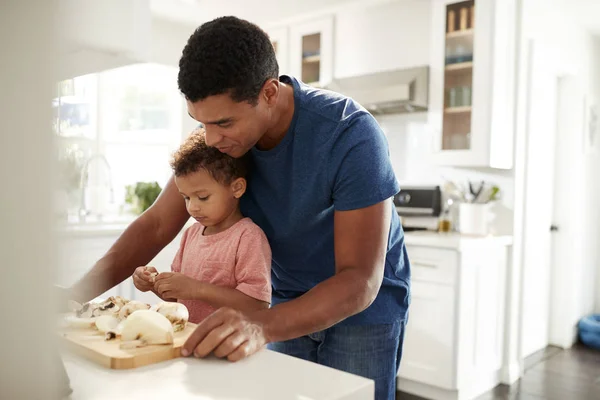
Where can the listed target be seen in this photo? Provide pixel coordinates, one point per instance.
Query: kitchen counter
(265, 376)
(453, 240)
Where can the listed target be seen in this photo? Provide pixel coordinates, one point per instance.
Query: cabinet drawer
(428, 351)
(429, 264)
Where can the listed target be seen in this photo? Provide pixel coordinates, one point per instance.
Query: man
(320, 188)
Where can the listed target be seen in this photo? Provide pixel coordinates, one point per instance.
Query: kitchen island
(265, 376)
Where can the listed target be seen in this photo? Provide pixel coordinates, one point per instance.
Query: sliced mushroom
(87, 310)
(146, 327)
(176, 313)
(106, 323)
(73, 321)
(132, 306)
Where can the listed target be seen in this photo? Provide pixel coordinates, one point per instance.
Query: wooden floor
(553, 374)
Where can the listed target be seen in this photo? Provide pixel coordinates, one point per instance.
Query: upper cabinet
(472, 82)
(311, 51)
(280, 40)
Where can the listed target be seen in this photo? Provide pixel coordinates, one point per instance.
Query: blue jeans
(372, 351)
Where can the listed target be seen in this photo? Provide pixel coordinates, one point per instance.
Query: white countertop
(453, 240)
(265, 376)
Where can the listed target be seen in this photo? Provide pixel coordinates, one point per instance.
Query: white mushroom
(73, 321)
(87, 310)
(176, 313)
(132, 306)
(113, 333)
(106, 323)
(145, 327)
(111, 306)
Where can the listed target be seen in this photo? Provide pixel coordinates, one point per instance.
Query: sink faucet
(83, 211)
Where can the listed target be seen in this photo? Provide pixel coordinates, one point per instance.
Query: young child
(224, 259)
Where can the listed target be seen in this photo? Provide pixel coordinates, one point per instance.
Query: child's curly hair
(194, 154)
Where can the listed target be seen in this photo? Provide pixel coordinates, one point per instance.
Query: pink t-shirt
(239, 257)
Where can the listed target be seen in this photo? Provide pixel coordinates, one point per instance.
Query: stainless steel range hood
(388, 92)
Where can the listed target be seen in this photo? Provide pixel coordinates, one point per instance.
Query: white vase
(474, 218)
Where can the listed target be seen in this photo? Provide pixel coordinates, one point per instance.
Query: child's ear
(238, 187)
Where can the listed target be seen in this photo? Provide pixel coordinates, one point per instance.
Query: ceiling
(585, 13)
(198, 11)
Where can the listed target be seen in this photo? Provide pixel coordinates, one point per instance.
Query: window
(114, 129)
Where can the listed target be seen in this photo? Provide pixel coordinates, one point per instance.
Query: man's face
(232, 127)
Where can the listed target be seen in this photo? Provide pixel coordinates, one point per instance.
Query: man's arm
(360, 238)
(137, 246)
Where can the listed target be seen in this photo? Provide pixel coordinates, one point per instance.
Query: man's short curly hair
(227, 55)
(194, 154)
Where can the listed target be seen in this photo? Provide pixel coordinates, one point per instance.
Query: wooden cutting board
(90, 344)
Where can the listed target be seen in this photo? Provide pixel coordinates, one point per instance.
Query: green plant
(142, 195)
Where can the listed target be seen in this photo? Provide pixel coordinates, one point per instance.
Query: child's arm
(174, 284)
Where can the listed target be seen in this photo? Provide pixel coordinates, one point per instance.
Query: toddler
(224, 259)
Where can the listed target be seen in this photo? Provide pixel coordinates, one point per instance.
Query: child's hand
(143, 278)
(173, 285)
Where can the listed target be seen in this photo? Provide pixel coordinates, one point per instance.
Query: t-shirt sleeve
(253, 265)
(176, 264)
(360, 167)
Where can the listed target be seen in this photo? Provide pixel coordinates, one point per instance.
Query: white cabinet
(454, 346)
(429, 343)
(379, 36)
(280, 40)
(472, 82)
(311, 51)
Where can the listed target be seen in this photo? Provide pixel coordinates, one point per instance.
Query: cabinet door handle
(424, 264)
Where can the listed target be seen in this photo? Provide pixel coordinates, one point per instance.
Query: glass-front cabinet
(458, 76)
(311, 51)
(472, 82)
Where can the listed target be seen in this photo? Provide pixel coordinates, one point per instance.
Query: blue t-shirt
(334, 156)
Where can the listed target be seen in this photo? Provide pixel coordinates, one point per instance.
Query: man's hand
(143, 278)
(173, 285)
(226, 333)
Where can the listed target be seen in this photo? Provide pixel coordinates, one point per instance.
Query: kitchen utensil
(475, 192)
(452, 190)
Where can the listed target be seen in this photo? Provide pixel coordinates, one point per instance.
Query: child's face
(207, 200)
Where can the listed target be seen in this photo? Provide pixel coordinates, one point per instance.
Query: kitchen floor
(552, 374)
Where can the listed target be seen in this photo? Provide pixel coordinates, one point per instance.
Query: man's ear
(270, 92)
(238, 187)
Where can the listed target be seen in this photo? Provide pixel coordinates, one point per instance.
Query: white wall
(411, 144)
(168, 40)
(594, 181)
(574, 281)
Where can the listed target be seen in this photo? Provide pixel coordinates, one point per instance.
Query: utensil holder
(474, 218)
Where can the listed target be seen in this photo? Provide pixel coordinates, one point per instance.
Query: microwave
(419, 207)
